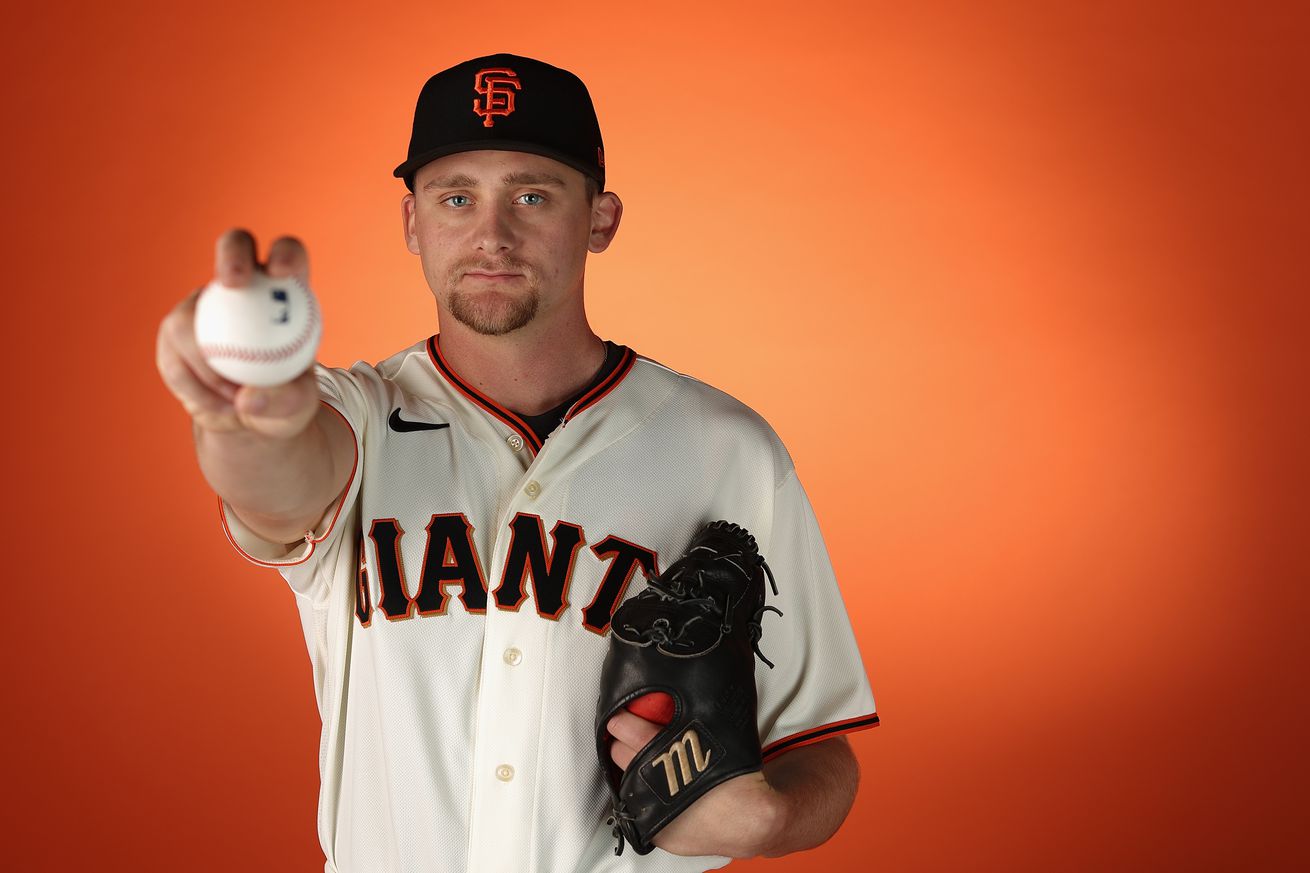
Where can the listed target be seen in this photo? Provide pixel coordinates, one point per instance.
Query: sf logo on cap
(497, 87)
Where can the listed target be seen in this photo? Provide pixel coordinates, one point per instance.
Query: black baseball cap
(510, 103)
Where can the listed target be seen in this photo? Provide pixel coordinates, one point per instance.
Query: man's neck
(527, 371)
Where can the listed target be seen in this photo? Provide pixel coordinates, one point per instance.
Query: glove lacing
(688, 591)
(619, 814)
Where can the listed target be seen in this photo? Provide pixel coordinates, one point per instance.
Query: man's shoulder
(387, 369)
(696, 390)
(391, 367)
(373, 388)
(715, 409)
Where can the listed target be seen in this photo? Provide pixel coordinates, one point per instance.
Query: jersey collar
(512, 419)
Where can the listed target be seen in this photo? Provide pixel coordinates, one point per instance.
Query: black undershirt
(547, 421)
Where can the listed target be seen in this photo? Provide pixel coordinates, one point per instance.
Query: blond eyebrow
(462, 180)
(533, 179)
(457, 181)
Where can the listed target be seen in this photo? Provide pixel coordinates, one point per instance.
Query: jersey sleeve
(818, 687)
(299, 563)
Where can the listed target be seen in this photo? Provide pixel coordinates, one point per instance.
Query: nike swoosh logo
(399, 425)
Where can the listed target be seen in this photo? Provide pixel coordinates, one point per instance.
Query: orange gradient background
(1021, 286)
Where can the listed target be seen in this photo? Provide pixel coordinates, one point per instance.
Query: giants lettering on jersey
(533, 568)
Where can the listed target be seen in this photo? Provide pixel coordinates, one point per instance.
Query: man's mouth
(481, 275)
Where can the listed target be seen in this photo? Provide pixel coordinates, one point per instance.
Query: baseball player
(460, 521)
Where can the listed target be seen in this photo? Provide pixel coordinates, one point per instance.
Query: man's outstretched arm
(277, 455)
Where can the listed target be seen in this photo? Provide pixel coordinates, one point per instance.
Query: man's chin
(492, 314)
(491, 328)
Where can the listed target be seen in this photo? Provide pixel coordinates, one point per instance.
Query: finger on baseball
(287, 256)
(196, 397)
(177, 338)
(235, 259)
(632, 730)
(224, 388)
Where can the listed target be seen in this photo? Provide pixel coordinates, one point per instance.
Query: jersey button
(504, 772)
(532, 489)
(513, 657)
(515, 442)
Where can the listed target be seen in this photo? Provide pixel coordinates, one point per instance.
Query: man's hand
(277, 455)
(797, 802)
(214, 403)
(737, 818)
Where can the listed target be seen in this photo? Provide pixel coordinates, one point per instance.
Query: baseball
(655, 706)
(263, 335)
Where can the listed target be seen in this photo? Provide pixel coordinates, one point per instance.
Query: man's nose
(494, 230)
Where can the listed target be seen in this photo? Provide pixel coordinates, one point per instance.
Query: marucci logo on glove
(686, 760)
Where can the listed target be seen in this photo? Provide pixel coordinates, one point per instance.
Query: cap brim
(407, 170)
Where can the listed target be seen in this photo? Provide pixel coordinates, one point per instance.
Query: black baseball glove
(693, 634)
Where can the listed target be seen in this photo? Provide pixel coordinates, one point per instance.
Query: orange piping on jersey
(819, 734)
(363, 596)
(508, 417)
(222, 513)
(611, 382)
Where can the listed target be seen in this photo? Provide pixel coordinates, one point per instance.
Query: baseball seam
(265, 356)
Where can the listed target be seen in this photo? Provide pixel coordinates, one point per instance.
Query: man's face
(503, 236)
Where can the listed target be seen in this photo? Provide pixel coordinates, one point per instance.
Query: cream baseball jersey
(456, 606)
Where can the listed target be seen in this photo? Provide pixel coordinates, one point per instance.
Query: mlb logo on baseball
(263, 335)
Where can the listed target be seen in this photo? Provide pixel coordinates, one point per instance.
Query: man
(460, 521)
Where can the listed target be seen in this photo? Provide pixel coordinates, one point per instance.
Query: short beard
(493, 321)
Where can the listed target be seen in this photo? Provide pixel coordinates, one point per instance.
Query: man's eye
(453, 197)
(532, 202)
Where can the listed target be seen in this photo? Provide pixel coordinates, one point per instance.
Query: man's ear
(606, 212)
(407, 206)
